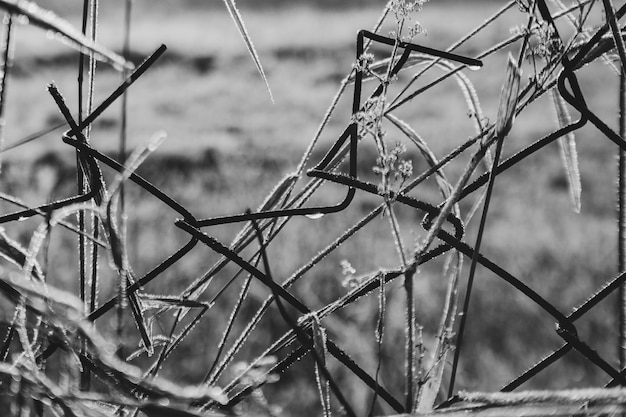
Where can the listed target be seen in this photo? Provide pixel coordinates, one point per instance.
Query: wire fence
(43, 331)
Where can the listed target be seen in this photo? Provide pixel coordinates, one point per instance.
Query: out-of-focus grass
(205, 92)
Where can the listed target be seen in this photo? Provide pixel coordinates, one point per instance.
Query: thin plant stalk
(6, 51)
(621, 223)
(82, 189)
(380, 335)
(231, 321)
(95, 220)
(509, 97)
(409, 368)
(124, 113)
(474, 262)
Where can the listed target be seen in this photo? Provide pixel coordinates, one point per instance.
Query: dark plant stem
(95, 220)
(474, 263)
(81, 188)
(621, 222)
(123, 116)
(6, 64)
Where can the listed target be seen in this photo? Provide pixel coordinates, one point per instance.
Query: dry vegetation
(159, 351)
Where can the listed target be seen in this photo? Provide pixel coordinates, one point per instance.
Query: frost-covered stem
(380, 335)
(410, 337)
(80, 182)
(410, 310)
(474, 263)
(6, 64)
(621, 221)
(123, 117)
(95, 220)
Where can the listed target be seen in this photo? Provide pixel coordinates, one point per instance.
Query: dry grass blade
(6, 344)
(601, 49)
(464, 83)
(38, 238)
(137, 310)
(279, 193)
(6, 52)
(16, 254)
(432, 385)
(138, 156)
(558, 397)
(62, 30)
(166, 301)
(508, 98)
(236, 16)
(42, 298)
(118, 250)
(319, 344)
(569, 155)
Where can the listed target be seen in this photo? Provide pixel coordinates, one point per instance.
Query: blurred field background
(228, 145)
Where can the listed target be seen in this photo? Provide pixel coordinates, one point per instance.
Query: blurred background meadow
(228, 145)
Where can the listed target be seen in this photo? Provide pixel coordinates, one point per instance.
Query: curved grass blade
(279, 193)
(63, 31)
(466, 86)
(236, 16)
(444, 185)
(38, 237)
(569, 155)
(12, 251)
(39, 297)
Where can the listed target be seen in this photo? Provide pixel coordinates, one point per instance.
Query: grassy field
(228, 145)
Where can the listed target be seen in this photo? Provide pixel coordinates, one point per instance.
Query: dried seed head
(508, 98)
